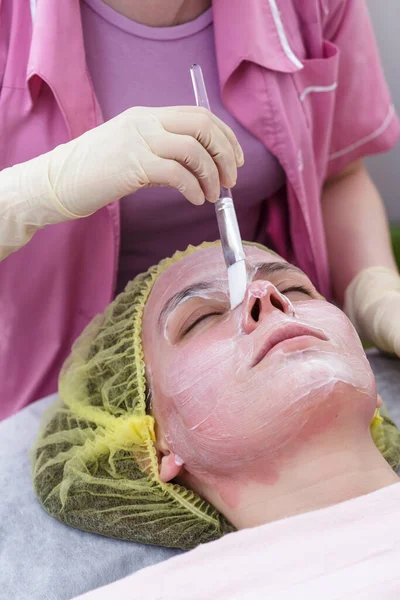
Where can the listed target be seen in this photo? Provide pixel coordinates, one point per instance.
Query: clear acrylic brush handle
(224, 207)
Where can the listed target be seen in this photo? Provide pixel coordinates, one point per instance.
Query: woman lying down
(182, 421)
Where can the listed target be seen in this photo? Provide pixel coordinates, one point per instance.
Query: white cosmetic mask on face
(220, 411)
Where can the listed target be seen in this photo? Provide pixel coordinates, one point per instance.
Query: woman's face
(231, 386)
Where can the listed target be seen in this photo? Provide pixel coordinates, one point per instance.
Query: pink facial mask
(252, 383)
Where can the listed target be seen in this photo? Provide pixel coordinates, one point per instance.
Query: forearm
(356, 227)
(27, 203)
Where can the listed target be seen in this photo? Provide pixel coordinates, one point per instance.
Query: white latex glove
(187, 148)
(372, 302)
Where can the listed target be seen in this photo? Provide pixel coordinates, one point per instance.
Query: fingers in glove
(165, 172)
(187, 151)
(202, 126)
(230, 134)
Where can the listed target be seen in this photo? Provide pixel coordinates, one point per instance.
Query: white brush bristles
(237, 278)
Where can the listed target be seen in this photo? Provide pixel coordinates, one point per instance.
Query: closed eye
(199, 320)
(297, 288)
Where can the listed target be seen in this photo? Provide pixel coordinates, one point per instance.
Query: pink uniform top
(302, 77)
(134, 65)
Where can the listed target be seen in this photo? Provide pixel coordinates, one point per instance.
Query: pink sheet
(347, 551)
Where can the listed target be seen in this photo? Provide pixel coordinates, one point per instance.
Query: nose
(262, 298)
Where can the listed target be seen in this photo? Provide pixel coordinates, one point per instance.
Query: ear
(170, 466)
(379, 401)
(169, 463)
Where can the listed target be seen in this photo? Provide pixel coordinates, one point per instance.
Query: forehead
(206, 264)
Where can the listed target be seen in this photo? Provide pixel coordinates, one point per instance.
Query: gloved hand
(188, 148)
(372, 302)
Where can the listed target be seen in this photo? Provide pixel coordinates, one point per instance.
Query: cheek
(194, 375)
(334, 323)
(199, 398)
(343, 362)
(192, 380)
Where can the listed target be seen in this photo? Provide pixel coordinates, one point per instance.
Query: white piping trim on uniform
(33, 9)
(366, 139)
(317, 88)
(282, 35)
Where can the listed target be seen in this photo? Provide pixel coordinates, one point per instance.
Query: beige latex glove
(372, 302)
(187, 148)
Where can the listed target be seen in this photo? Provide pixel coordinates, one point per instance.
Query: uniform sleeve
(365, 121)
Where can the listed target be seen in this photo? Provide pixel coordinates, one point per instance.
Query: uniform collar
(57, 57)
(263, 32)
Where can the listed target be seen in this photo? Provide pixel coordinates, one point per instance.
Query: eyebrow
(172, 303)
(268, 269)
(260, 269)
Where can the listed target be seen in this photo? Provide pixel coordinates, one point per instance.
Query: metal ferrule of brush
(229, 230)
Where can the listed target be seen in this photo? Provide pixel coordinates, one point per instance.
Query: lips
(285, 332)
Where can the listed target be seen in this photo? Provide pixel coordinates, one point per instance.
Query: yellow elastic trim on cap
(130, 431)
(377, 432)
(377, 419)
(122, 431)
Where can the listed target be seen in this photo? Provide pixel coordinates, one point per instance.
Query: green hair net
(94, 464)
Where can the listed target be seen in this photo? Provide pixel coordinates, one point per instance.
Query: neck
(321, 475)
(160, 13)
